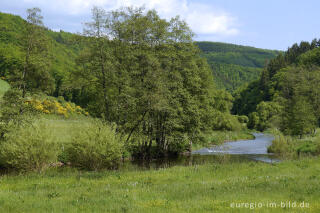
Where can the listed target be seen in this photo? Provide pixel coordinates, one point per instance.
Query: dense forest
(286, 95)
(234, 66)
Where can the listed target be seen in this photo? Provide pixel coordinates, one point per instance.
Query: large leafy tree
(159, 91)
(34, 71)
(96, 61)
(300, 117)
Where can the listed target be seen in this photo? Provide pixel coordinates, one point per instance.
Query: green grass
(206, 188)
(63, 128)
(4, 86)
(286, 146)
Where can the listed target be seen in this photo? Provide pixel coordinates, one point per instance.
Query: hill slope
(63, 51)
(232, 65)
(235, 65)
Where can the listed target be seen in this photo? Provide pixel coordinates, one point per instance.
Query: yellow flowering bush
(55, 107)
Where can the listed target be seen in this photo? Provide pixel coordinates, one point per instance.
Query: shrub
(267, 115)
(54, 106)
(11, 105)
(28, 147)
(283, 145)
(224, 121)
(96, 147)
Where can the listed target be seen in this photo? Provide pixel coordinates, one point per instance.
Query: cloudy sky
(271, 24)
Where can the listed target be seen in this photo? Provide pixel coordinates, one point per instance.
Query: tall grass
(292, 147)
(206, 188)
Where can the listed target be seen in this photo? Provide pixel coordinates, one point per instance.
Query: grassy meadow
(205, 188)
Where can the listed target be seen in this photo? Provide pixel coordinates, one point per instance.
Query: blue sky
(270, 24)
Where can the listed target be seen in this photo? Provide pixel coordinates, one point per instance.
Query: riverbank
(205, 188)
(290, 147)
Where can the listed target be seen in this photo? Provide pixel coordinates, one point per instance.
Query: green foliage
(300, 120)
(224, 121)
(267, 115)
(231, 76)
(11, 28)
(145, 74)
(96, 147)
(220, 118)
(11, 105)
(267, 87)
(28, 147)
(286, 96)
(62, 52)
(282, 145)
(298, 89)
(247, 98)
(34, 74)
(308, 147)
(243, 119)
(293, 147)
(4, 87)
(13, 111)
(233, 65)
(310, 58)
(129, 67)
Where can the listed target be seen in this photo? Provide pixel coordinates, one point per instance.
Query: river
(256, 149)
(236, 151)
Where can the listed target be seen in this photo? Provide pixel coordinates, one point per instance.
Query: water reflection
(184, 160)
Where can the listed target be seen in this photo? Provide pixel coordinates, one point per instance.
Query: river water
(256, 149)
(237, 151)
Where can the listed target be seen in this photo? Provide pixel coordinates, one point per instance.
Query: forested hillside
(235, 65)
(62, 54)
(286, 95)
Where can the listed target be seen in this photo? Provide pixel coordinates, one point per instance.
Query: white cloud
(206, 20)
(203, 19)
